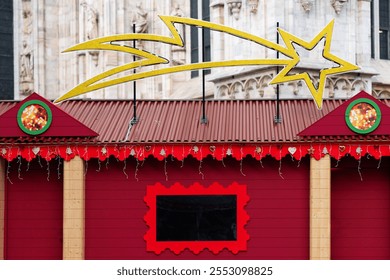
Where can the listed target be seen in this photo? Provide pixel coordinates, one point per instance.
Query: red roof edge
(62, 124)
(334, 124)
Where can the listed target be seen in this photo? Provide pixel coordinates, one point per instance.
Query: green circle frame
(378, 114)
(34, 132)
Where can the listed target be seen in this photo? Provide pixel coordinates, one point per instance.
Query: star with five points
(289, 39)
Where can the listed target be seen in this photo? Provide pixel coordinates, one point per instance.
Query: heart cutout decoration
(148, 148)
(36, 150)
(342, 148)
(212, 149)
(292, 150)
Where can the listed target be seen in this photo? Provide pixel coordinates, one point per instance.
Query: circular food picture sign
(363, 116)
(34, 117)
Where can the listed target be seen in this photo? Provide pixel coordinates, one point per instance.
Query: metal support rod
(135, 119)
(203, 119)
(278, 117)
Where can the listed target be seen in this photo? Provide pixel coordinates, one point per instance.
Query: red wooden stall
(361, 209)
(33, 215)
(278, 207)
(87, 185)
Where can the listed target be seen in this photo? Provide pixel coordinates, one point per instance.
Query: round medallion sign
(363, 116)
(34, 117)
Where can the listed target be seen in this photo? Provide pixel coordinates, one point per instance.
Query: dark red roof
(178, 121)
(334, 126)
(62, 124)
(240, 121)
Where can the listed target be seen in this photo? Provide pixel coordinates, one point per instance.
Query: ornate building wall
(45, 28)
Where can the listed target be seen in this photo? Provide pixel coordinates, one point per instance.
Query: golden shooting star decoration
(149, 59)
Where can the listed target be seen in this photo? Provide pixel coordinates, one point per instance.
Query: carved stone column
(218, 43)
(363, 47)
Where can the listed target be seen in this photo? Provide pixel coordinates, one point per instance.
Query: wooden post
(74, 207)
(320, 208)
(2, 207)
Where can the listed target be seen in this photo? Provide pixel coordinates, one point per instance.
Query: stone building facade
(45, 28)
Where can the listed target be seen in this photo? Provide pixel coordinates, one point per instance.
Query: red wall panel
(278, 208)
(360, 209)
(34, 212)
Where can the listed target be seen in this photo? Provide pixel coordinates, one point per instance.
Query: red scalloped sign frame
(240, 244)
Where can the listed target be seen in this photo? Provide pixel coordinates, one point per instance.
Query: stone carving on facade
(295, 85)
(92, 21)
(26, 69)
(234, 8)
(178, 52)
(381, 93)
(26, 59)
(306, 5)
(345, 87)
(27, 17)
(264, 85)
(258, 87)
(253, 4)
(338, 5)
(250, 88)
(91, 27)
(140, 19)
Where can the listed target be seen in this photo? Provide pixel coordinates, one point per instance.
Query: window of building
(6, 50)
(200, 9)
(380, 29)
(196, 218)
(384, 26)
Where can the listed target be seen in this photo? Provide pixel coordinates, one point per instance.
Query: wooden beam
(2, 207)
(320, 208)
(74, 208)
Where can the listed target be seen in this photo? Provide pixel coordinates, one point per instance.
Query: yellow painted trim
(149, 59)
(73, 210)
(320, 219)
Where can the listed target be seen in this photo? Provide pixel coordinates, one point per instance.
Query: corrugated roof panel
(5, 106)
(178, 121)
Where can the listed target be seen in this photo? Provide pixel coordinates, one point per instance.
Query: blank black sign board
(196, 217)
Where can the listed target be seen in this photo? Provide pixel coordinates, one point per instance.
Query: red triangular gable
(62, 124)
(334, 124)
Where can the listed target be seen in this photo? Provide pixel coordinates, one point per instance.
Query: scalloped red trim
(152, 245)
(198, 151)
